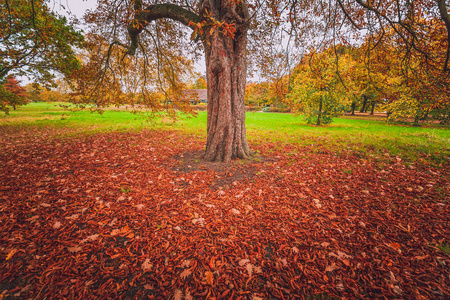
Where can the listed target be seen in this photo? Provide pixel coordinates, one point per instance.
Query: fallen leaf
(186, 263)
(74, 249)
(235, 211)
(10, 254)
(188, 296)
(209, 277)
(331, 268)
(186, 273)
(57, 225)
(325, 244)
(397, 290)
(249, 268)
(146, 265)
(317, 203)
(90, 238)
(283, 262)
(72, 217)
(244, 261)
(113, 221)
(422, 257)
(341, 255)
(178, 295)
(346, 262)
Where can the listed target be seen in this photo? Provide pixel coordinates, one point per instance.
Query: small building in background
(197, 96)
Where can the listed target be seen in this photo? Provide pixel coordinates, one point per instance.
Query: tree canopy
(35, 41)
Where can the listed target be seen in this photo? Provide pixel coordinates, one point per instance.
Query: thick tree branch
(347, 15)
(155, 12)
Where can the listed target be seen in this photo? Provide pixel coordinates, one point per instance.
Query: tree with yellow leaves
(318, 90)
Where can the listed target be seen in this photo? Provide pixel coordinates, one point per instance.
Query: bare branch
(347, 15)
(155, 12)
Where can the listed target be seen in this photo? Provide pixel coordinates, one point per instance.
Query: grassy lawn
(430, 144)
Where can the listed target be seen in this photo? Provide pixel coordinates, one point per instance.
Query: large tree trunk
(319, 116)
(226, 68)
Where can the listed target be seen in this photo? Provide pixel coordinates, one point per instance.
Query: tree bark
(319, 116)
(363, 108)
(226, 67)
(353, 108)
(372, 110)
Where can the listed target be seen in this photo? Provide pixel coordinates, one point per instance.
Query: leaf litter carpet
(136, 215)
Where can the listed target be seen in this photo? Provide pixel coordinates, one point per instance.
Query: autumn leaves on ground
(139, 215)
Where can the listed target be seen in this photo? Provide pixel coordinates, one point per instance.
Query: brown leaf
(188, 296)
(346, 262)
(178, 295)
(73, 217)
(331, 268)
(185, 273)
(209, 277)
(10, 254)
(57, 225)
(146, 265)
(244, 261)
(90, 238)
(249, 268)
(186, 263)
(325, 244)
(74, 249)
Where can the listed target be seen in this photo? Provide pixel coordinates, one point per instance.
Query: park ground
(121, 206)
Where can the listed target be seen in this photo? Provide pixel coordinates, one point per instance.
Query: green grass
(445, 248)
(364, 137)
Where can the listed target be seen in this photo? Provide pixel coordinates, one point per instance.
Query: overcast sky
(75, 7)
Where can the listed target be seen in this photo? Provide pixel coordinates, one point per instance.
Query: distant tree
(317, 88)
(259, 94)
(275, 70)
(35, 41)
(200, 83)
(12, 95)
(406, 82)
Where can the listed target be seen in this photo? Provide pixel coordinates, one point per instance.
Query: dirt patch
(365, 116)
(226, 175)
